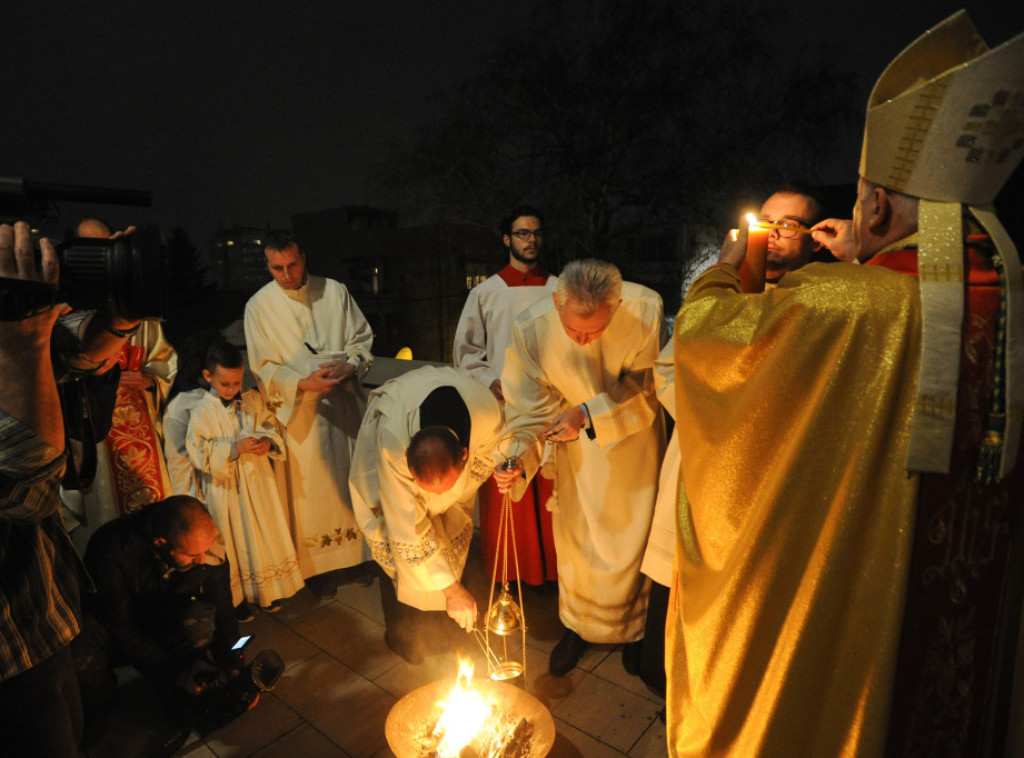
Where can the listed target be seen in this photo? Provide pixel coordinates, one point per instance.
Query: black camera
(227, 697)
(130, 270)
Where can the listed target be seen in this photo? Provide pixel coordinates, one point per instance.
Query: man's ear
(465, 454)
(207, 375)
(878, 213)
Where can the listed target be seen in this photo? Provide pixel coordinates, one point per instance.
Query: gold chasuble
(800, 602)
(849, 560)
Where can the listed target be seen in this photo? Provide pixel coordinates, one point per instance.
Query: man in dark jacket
(162, 603)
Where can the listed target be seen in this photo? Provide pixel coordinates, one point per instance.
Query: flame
(752, 221)
(462, 715)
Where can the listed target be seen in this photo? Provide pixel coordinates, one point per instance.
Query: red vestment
(534, 540)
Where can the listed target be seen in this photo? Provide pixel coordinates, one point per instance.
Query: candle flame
(752, 221)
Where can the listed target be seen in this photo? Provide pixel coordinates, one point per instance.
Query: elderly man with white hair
(579, 374)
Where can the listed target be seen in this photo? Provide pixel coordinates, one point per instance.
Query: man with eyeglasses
(480, 341)
(852, 580)
(790, 212)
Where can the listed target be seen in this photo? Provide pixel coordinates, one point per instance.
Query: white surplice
(605, 486)
(481, 338)
(242, 496)
(179, 467)
(419, 538)
(661, 545)
(320, 430)
(482, 334)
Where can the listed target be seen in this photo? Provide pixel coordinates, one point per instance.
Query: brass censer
(505, 619)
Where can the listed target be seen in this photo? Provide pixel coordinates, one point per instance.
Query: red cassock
(534, 542)
(481, 340)
(962, 570)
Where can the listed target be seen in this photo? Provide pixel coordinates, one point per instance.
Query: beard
(523, 258)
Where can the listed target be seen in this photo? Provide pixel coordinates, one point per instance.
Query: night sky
(233, 112)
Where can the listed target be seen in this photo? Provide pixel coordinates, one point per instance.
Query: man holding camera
(40, 709)
(163, 596)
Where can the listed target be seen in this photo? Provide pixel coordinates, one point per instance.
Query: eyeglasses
(524, 234)
(786, 227)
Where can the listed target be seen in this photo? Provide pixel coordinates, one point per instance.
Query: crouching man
(163, 606)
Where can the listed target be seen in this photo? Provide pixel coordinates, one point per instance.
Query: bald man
(163, 596)
(422, 453)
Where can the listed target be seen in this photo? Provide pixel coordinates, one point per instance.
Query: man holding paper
(308, 343)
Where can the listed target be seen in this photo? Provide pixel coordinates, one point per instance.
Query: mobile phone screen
(242, 642)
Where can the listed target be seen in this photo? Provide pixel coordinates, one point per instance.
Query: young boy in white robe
(231, 440)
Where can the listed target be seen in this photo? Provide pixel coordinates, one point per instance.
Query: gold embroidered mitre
(945, 124)
(945, 120)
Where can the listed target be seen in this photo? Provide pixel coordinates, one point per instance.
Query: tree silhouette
(624, 119)
(186, 287)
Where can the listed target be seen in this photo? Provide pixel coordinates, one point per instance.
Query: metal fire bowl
(413, 714)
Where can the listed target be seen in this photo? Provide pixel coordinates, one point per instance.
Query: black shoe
(567, 653)
(631, 653)
(324, 586)
(370, 572)
(274, 607)
(243, 611)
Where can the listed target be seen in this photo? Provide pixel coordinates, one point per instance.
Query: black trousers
(412, 632)
(185, 630)
(40, 710)
(652, 657)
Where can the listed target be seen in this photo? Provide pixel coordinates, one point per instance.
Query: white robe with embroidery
(320, 430)
(420, 539)
(242, 497)
(606, 486)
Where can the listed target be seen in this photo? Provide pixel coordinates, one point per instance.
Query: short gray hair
(904, 206)
(591, 284)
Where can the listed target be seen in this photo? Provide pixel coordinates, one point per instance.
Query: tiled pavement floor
(341, 680)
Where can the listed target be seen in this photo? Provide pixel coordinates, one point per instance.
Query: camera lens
(130, 269)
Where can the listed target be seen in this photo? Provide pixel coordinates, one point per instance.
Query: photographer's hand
(27, 388)
(196, 678)
(122, 233)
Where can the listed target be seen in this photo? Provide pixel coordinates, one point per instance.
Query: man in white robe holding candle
(308, 344)
(579, 373)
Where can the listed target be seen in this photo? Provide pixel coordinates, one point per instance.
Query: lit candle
(752, 271)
